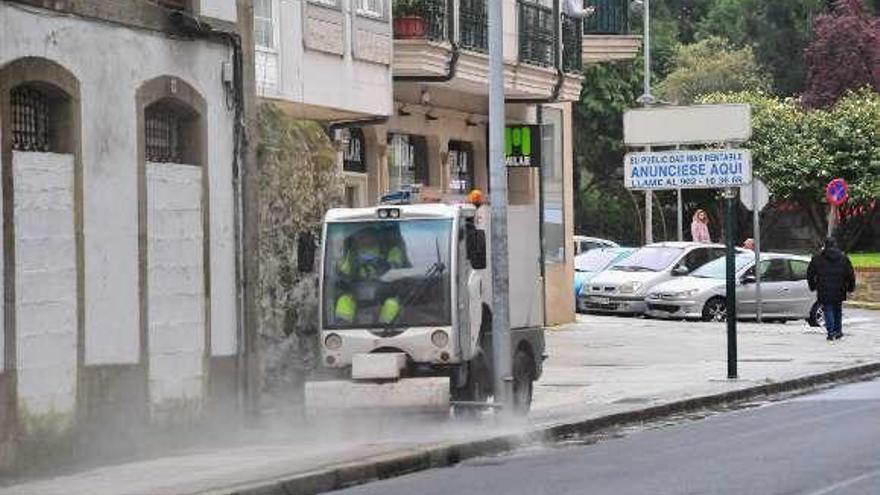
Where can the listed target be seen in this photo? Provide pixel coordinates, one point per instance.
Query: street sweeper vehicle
(406, 308)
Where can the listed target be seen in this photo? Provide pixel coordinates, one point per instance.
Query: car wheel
(817, 316)
(715, 310)
(523, 377)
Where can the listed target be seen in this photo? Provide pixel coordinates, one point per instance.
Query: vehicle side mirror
(476, 248)
(680, 271)
(749, 279)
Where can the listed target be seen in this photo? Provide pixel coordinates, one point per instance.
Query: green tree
(797, 151)
(778, 31)
(711, 66)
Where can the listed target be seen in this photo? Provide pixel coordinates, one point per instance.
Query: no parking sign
(837, 192)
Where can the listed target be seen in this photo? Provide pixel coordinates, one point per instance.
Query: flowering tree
(797, 151)
(843, 55)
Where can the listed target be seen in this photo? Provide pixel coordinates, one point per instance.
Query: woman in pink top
(700, 227)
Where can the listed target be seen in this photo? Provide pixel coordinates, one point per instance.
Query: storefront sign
(688, 169)
(522, 146)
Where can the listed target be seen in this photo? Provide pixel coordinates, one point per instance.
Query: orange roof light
(475, 197)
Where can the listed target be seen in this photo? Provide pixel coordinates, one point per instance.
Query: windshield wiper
(433, 272)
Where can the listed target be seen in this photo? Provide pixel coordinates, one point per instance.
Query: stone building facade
(120, 146)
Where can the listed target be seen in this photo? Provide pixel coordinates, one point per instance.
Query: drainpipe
(451, 70)
(193, 26)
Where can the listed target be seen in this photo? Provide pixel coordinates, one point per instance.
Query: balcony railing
(610, 17)
(537, 34)
(474, 22)
(572, 45)
(431, 18)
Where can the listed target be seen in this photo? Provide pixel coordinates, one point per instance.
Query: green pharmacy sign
(522, 146)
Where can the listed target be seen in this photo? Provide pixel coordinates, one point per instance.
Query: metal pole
(649, 217)
(756, 216)
(680, 207)
(730, 227)
(498, 197)
(647, 96)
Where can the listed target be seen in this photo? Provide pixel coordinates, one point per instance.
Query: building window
(407, 161)
(461, 167)
(264, 24)
(370, 8)
(354, 155)
(39, 118)
(170, 132)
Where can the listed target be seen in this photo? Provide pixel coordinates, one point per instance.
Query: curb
(398, 464)
(862, 305)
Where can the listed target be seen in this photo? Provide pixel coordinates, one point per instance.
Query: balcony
(606, 33)
(449, 46)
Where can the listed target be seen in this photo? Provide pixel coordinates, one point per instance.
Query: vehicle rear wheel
(715, 310)
(523, 378)
(817, 316)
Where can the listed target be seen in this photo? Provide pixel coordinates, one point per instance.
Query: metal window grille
(537, 34)
(164, 129)
(572, 48)
(435, 14)
(474, 18)
(30, 119)
(611, 17)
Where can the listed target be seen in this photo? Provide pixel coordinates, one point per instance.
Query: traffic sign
(837, 192)
(695, 124)
(688, 169)
(761, 195)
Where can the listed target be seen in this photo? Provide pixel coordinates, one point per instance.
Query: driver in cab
(364, 262)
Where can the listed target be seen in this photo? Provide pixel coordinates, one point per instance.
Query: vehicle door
(746, 295)
(695, 258)
(775, 286)
(799, 299)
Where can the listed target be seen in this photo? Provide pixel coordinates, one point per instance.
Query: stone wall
(867, 285)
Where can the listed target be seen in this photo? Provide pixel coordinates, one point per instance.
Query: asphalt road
(824, 444)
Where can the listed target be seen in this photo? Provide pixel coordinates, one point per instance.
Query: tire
(817, 316)
(715, 310)
(523, 381)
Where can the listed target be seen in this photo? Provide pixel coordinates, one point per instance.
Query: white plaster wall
(219, 9)
(175, 282)
(326, 80)
(45, 283)
(111, 63)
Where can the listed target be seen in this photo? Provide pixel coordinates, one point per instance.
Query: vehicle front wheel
(523, 378)
(817, 316)
(715, 310)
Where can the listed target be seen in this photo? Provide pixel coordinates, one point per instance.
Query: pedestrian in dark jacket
(832, 277)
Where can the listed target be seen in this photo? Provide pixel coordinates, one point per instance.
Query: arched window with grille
(171, 133)
(40, 118)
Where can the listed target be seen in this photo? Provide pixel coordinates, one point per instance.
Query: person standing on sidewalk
(700, 227)
(832, 277)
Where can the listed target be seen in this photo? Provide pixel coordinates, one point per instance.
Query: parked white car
(701, 296)
(582, 244)
(623, 287)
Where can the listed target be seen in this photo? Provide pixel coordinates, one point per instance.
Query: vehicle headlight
(333, 342)
(630, 287)
(440, 338)
(685, 293)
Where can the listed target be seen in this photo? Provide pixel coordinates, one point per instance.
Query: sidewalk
(598, 367)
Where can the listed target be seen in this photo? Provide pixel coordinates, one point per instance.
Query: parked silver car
(622, 288)
(701, 296)
(582, 244)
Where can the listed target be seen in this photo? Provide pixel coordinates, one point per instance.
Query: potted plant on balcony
(409, 20)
